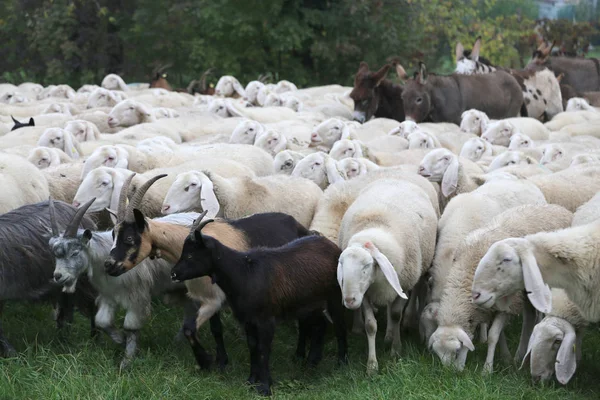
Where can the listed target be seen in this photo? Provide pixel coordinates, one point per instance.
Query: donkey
(541, 89)
(582, 74)
(445, 98)
(375, 96)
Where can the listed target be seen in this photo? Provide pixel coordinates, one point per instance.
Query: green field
(83, 369)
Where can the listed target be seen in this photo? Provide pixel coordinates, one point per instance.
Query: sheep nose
(57, 276)
(349, 300)
(314, 136)
(475, 295)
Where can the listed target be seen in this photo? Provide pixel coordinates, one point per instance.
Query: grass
(80, 368)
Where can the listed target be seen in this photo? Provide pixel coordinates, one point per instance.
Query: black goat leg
(216, 328)
(336, 310)
(317, 340)
(203, 359)
(266, 331)
(252, 340)
(7, 349)
(64, 314)
(130, 348)
(303, 335)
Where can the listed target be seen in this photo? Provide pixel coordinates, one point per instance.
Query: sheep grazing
(129, 113)
(263, 284)
(114, 82)
(27, 264)
(240, 197)
(555, 343)
(61, 139)
(228, 86)
(155, 238)
(380, 258)
(285, 161)
(82, 252)
(45, 157)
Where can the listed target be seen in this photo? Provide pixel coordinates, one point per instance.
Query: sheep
(228, 86)
(500, 132)
(82, 131)
(63, 181)
(585, 158)
(330, 131)
(102, 97)
(474, 121)
(255, 305)
(27, 263)
(388, 144)
(285, 86)
(563, 119)
(511, 158)
(353, 167)
(114, 82)
(555, 339)
(463, 214)
(22, 183)
(477, 149)
(161, 239)
(60, 108)
(61, 139)
(239, 197)
(457, 316)
(455, 174)
(272, 100)
(44, 157)
(285, 161)
(128, 113)
(251, 91)
(557, 156)
(345, 148)
(87, 88)
(164, 112)
(579, 104)
(422, 140)
(59, 91)
(271, 141)
(338, 197)
(588, 212)
(318, 167)
(520, 141)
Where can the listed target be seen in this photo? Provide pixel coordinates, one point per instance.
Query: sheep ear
(122, 156)
(232, 110)
(465, 340)
(333, 174)
(144, 111)
(459, 51)
(237, 86)
(476, 47)
(358, 149)
(208, 199)
(340, 275)
(532, 340)
(450, 179)
(386, 267)
(346, 133)
(537, 291)
(566, 358)
(70, 145)
(282, 144)
(92, 133)
(117, 186)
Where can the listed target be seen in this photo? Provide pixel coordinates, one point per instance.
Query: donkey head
(365, 93)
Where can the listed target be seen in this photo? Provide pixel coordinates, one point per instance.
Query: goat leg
(252, 340)
(266, 331)
(64, 309)
(337, 312)
(203, 359)
(130, 348)
(318, 326)
(303, 335)
(7, 349)
(216, 328)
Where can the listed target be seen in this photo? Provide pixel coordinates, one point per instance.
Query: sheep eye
(131, 108)
(317, 164)
(479, 148)
(251, 129)
(476, 118)
(104, 183)
(336, 128)
(507, 259)
(560, 153)
(111, 158)
(353, 170)
(193, 184)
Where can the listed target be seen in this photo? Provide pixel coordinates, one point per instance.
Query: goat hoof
(342, 360)
(10, 352)
(389, 336)
(251, 380)
(264, 390)
(124, 366)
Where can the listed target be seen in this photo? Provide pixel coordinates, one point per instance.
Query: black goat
(27, 265)
(18, 124)
(263, 284)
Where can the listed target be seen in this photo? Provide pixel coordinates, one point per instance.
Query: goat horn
(136, 199)
(71, 230)
(53, 224)
(122, 205)
(197, 222)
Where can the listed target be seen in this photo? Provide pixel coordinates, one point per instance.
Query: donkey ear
(401, 72)
(386, 267)
(450, 179)
(380, 75)
(566, 358)
(537, 291)
(460, 50)
(363, 67)
(422, 75)
(476, 47)
(208, 199)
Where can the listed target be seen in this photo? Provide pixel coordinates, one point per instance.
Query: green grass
(83, 369)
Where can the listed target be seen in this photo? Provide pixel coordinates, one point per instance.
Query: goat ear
(380, 75)
(70, 145)
(198, 238)
(537, 291)
(566, 358)
(140, 221)
(465, 340)
(333, 174)
(476, 47)
(386, 267)
(86, 237)
(450, 179)
(459, 51)
(208, 199)
(422, 75)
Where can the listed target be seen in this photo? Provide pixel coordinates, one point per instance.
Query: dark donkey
(445, 98)
(582, 74)
(375, 96)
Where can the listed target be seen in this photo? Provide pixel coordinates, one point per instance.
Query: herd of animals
(451, 202)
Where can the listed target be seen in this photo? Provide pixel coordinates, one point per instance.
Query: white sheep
(60, 108)
(474, 121)
(585, 158)
(559, 155)
(555, 339)
(285, 161)
(246, 132)
(476, 149)
(330, 131)
(388, 240)
(158, 145)
(353, 167)
(273, 100)
(351, 148)
(83, 131)
(130, 112)
(164, 112)
(228, 86)
(114, 82)
(285, 86)
(87, 88)
(102, 97)
(251, 91)
(511, 158)
(500, 132)
(320, 168)
(22, 183)
(240, 197)
(579, 104)
(520, 141)
(561, 121)
(271, 141)
(59, 91)
(44, 157)
(61, 139)
(457, 316)
(422, 140)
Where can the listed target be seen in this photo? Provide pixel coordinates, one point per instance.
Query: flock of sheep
(309, 200)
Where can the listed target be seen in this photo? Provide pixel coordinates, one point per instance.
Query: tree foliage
(306, 41)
